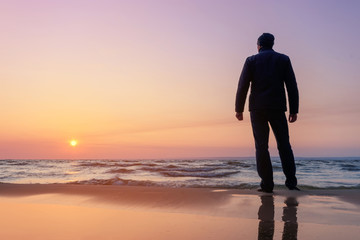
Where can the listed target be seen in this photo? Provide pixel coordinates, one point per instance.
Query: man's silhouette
(269, 72)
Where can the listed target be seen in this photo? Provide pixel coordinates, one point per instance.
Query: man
(268, 72)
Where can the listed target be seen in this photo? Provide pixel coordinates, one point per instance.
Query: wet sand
(59, 211)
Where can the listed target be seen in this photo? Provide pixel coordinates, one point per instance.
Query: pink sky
(157, 79)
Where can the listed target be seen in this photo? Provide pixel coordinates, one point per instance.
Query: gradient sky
(157, 79)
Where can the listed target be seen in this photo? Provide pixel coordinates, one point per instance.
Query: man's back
(268, 71)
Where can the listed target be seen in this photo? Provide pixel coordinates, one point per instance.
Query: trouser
(260, 124)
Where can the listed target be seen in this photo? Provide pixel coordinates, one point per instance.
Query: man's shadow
(266, 216)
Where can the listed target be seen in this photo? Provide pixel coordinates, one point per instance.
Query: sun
(73, 142)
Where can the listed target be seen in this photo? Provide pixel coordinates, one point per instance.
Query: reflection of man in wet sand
(290, 219)
(266, 216)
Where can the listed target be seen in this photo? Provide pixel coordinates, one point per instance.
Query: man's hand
(292, 118)
(239, 116)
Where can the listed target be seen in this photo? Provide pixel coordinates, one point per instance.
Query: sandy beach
(64, 211)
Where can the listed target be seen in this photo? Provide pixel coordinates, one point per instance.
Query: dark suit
(269, 72)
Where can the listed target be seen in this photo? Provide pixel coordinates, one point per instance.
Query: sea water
(312, 173)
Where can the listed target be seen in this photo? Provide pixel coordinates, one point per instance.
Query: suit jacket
(268, 72)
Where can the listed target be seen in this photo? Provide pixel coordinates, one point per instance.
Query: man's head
(266, 40)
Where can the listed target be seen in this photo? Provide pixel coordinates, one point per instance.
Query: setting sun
(73, 142)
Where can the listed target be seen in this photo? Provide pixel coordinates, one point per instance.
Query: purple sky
(138, 79)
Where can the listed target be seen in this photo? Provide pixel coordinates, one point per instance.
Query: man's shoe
(294, 188)
(264, 190)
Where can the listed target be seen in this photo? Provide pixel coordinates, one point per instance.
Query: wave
(120, 170)
(115, 164)
(170, 184)
(179, 169)
(14, 162)
(195, 184)
(350, 167)
(198, 174)
(114, 181)
(239, 164)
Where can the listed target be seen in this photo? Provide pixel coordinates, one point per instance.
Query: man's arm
(243, 87)
(293, 93)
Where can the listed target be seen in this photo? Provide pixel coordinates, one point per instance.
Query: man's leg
(260, 128)
(279, 126)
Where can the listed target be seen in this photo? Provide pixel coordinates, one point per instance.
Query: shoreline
(118, 194)
(15, 189)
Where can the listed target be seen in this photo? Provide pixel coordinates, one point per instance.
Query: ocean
(312, 173)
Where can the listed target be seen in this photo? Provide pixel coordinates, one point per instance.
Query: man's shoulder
(265, 56)
(281, 56)
(251, 58)
(267, 53)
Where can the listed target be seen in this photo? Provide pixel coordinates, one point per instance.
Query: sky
(157, 79)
